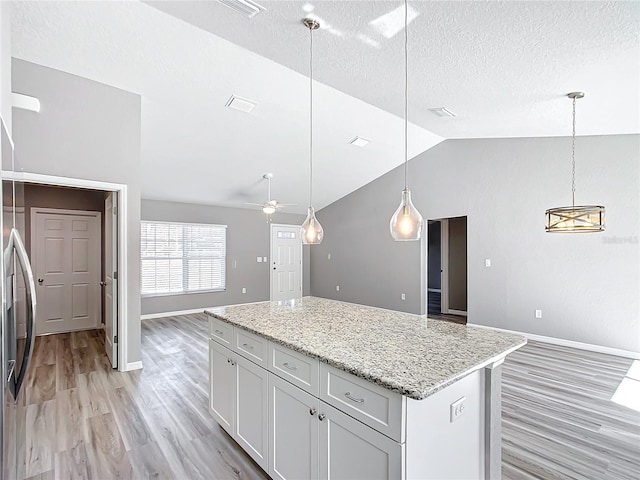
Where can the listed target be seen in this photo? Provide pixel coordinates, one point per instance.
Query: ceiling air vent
(245, 7)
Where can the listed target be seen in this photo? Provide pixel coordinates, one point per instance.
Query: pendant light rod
(406, 92)
(312, 25)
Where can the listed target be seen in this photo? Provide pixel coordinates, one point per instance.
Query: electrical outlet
(259, 259)
(538, 313)
(457, 409)
(328, 256)
(487, 262)
(244, 290)
(403, 297)
(337, 288)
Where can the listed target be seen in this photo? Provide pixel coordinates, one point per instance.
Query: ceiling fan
(271, 205)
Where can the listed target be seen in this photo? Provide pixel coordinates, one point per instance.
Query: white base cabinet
(302, 420)
(239, 400)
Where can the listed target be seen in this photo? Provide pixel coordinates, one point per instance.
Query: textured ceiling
(502, 67)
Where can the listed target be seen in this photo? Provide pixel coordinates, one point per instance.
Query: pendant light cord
(310, 116)
(573, 157)
(406, 93)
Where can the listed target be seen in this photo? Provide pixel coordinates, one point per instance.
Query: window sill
(175, 294)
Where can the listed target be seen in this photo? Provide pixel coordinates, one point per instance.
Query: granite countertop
(410, 354)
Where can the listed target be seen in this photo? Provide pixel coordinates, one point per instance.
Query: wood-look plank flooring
(87, 421)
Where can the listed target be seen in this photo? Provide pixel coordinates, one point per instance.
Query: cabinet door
(251, 425)
(222, 386)
(293, 421)
(351, 450)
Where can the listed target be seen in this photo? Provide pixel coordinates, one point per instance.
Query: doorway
(447, 269)
(286, 262)
(66, 248)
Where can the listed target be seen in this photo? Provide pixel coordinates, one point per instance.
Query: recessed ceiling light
(442, 112)
(359, 142)
(239, 103)
(245, 7)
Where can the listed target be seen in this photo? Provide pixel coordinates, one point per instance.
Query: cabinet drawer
(375, 406)
(294, 367)
(220, 331)
(251, 346)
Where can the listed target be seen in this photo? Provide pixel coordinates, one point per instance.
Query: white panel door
(251, 426)
(222, 386)
(350, 450)
(286, 262)
(293, 428)
(110, 283)
(66, 250)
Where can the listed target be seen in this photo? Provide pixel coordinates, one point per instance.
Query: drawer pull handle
(356, 400)
(289, 367)
(246, 345)
(219, 332)
(322, 416)
(312, 411)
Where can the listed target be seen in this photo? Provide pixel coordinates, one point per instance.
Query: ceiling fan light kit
(311, 231)
(407, 223)
(576, 218)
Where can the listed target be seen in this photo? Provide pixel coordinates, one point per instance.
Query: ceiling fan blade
(256, 204)
(288, 204)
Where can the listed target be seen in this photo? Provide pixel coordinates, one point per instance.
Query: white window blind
(182, 257)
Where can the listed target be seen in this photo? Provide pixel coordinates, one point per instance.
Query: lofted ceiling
(502, 67)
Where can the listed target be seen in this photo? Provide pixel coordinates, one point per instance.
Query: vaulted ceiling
(502, 67)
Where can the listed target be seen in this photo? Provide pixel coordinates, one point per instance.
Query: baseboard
(149, 316)
(133, 366)
(457, 312)
(568, 343)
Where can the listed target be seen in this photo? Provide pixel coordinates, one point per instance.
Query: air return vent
(245, 7)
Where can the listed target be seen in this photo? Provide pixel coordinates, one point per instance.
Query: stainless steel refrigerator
(17, 328)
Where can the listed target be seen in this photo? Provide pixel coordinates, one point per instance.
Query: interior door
(110, 282)
(286, 262)
(67, 267)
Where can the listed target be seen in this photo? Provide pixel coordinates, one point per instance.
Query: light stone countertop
(410, 354)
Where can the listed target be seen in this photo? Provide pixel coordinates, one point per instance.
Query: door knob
(103, 284)
(41, 281)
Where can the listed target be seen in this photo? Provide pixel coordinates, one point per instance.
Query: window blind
(182, 257)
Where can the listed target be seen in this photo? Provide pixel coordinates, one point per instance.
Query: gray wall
(248, 236)
(85, 130)
(458, 263)
(586, 285)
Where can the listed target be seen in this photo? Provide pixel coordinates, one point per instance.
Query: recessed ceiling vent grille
(245, 7)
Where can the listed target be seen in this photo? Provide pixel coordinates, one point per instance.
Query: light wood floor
(85, 420)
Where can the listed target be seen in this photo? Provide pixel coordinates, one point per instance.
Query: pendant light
(311, 230)
(406, 224)
(575, 219)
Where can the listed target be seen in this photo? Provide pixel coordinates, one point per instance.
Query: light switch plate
(244, 290)
(457, 409)
(487, 262)
(259, 259)
(337, 288)
(264, 259)
(538, 313)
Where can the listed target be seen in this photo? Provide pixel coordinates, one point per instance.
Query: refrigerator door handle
(15, 241)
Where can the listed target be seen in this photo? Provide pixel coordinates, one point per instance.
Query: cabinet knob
(312, 411)
(321, 416)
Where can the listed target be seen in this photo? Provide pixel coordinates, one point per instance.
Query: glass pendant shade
(311, 230)
(406, 223)
(269, 209)
(577, 219)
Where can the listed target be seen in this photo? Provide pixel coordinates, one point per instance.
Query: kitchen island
(316, 388)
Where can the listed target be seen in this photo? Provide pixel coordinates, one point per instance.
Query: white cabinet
(238, 400)
(221, 386)
(293, 422)
(350, 450)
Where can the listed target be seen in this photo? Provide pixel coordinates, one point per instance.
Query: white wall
(586, 285)
(5, 63)
(88, 130)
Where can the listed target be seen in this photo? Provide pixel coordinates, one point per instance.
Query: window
(182, 257)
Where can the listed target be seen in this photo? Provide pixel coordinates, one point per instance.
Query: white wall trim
(457, 312)
(123, 234)
(567, 343)
(149, 316)
(132, 366)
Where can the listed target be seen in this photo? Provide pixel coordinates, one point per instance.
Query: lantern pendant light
(406, 224)
(311, 230)
(575, 219)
